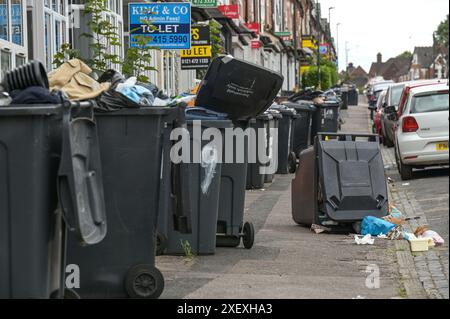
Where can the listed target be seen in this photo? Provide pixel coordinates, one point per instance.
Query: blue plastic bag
(375, 226)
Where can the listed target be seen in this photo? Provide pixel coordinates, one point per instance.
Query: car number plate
(441, 147)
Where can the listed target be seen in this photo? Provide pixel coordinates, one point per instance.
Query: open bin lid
(80, 183)
(240, 89)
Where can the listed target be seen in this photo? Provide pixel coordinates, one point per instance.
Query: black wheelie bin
(272, 146)
(202, 178)
(243, 91)
(287, 159)
(46, 151)
(131, 149)
(326, 119)
(340, 180)
(259, 147)
(302, 126)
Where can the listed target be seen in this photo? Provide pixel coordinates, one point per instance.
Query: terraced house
(282, 35)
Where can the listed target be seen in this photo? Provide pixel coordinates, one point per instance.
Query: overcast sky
(386, 26)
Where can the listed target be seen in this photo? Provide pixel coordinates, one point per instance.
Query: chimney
(379, 58)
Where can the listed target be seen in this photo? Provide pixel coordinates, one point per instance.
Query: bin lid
(302, 106)
(284, 109)
(80, 182)
(275, 113)
(207, 117)
(238, 88)
(329, 103)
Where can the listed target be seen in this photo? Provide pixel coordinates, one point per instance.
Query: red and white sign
(254, 27)
(230, 11)
(256, 44)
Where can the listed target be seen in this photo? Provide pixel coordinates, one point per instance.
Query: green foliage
(64, 54)
(406, 54)
(104, 35)
(188, 254)
(442, 33)
(328, 76)
(138, 58)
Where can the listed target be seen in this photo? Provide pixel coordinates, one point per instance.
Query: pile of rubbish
(392, 227)
(75, 81)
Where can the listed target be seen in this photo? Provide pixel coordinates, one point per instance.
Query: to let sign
(204, 3)
(230, 11)
(199, 56)
(167, 25)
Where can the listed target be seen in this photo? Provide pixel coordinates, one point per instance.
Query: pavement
(291, 262)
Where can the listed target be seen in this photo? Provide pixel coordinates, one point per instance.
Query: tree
(405, 54)
(442, 33)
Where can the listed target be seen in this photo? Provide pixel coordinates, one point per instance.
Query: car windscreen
(396, 94)
(430, 102)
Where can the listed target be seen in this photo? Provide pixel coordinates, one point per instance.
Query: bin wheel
(292, 162)
(228, 241)
(249, 235)
(357, 227)
(144, 282)
(68, 294)
(161, 244)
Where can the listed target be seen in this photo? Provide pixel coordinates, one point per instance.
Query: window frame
(15, 50)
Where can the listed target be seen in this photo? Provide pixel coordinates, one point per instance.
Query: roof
(359, 71)
(425, 56)
(430, 88)
(375, 69)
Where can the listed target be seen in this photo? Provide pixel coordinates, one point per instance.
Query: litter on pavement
(366, 240)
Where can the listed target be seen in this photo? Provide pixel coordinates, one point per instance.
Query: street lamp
(337, 41)
(329, 17)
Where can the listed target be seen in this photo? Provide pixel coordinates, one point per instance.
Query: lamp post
(329, 18)
(337, 41)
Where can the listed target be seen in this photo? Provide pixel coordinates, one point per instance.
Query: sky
(386, 26)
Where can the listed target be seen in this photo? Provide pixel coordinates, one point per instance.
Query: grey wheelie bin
(302, 126)
(340, 180)
(46, 152)
(131, 149)
(260, 145)
(353, 96)
(326, 119)
(345, 97)
(243, 91)
(272, 146)
(287, 159)
(202, 178)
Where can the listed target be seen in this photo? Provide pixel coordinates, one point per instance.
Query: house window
(12, 34)
(55, 24)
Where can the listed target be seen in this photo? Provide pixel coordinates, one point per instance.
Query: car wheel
(406, 171)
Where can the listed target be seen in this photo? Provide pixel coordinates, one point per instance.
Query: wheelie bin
(131, 149)
(326, 119)
(46, 152)
(306, 110)
(345, 98)
(287, 159)
(260, 145)
(353, 96)
(272, 146)
(340, 180)
(241, 90)
(202, 180)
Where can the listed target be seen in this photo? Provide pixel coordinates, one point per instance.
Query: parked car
(376, 89)
(393, 95)
(381, 103)
(392, 111)
(422, 136)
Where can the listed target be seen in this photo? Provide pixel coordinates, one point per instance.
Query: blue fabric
(375, 226)
(139, 94)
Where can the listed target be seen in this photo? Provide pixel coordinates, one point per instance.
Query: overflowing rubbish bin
(131, 147)
(302, 126)
(340, 180)
(326, 119)
(202, 178)
(47, 153)
(287, 159)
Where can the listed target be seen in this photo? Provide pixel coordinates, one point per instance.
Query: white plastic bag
(437, 239)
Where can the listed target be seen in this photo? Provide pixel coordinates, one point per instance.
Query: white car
(422, 133)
